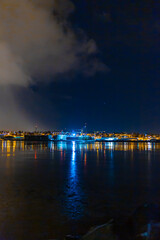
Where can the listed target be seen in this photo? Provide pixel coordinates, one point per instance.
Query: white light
(109, 139)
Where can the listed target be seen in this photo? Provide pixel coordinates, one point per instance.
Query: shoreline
(84, 141)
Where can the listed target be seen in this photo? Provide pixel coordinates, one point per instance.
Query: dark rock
(148, 212)
(144, 215)
(154, 233)
(70, 237)
(103, 232)
(144, 224)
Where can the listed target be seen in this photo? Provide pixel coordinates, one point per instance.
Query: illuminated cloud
(37, 44)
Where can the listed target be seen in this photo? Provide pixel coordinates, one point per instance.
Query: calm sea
(48, 190)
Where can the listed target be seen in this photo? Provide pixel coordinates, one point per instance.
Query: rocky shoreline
(143, 224)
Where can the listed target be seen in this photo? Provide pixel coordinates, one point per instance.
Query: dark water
(50, 189)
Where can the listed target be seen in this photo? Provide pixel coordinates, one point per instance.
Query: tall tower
(85, 128)
(36, 127)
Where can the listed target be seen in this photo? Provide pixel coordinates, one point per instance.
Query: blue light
(110, 139)
(74, 193)
(73, 152)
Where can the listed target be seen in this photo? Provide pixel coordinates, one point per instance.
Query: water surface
(51, 189)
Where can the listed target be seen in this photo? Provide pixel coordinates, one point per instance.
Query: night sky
(124, 96)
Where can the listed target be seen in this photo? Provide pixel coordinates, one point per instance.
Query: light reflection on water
(11, 146)
(70, 180)
(73, 194)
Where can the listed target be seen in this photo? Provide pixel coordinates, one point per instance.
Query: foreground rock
(143, 224)
(103, 232)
